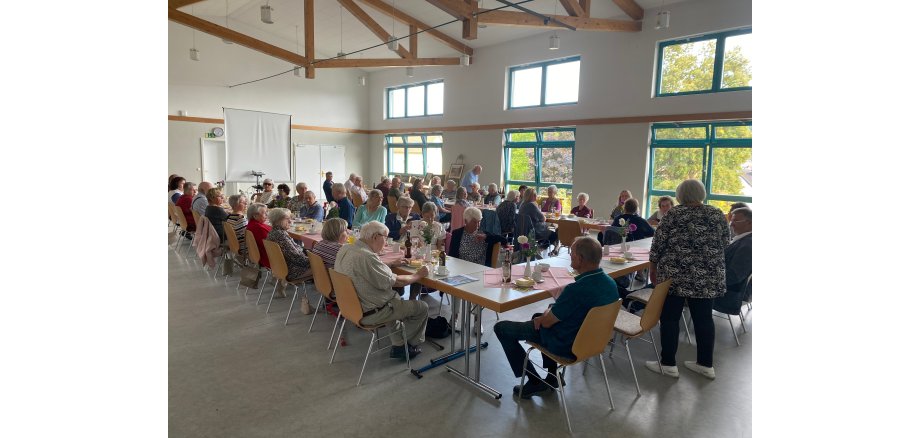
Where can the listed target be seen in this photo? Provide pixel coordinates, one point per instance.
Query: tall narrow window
(414, 154)
(544, 83)
(416, 100)
(540, 158)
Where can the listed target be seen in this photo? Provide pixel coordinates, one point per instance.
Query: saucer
(442, 275)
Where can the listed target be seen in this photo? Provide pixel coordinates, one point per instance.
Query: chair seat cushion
(641, 295)
(628, 324)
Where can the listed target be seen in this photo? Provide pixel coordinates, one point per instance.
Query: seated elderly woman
(664, 204)
(300, 200)
(335, 233)
(185, 203)
(417, 194)
(582, 209)
(282, 199)
(257, 214)
(237, 220)
(492, 197)
(374, 282)
(215, 213)
(435, 180)
(530, 210)
(462, 198)
(343, 203)
(358, 188)
(450, 190)
(618, 210)
(371, 211)
(551, 203)
(312, 209)
(297, 261)
(471, 244)
(443, 212)
(507, 211)
(473, 195)
(398, 223)
(430, 219)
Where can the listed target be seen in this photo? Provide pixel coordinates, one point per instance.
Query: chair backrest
(196, 217)
(391, 201)
(655, 303)
(416, 209)
(232, 241)
(595, 331)
(747, 294)
(356, 199)
(456, 216)
(496, 249)
(180, 217)
(320, 275)
(346, 297)
(253, 248)
(568, 231)
(276, 259)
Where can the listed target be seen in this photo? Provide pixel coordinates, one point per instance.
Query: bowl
(543, 267)
(524, 282)
(618, 260)
(415, 263)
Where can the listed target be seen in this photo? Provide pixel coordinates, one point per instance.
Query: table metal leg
(465, 335)
(478, 339)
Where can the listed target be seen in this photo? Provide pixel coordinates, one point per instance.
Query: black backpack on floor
(437, 328)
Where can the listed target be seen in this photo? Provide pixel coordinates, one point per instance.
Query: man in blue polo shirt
(556, 328)
(471, 177)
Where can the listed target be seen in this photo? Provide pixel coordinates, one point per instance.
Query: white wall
(617, 71)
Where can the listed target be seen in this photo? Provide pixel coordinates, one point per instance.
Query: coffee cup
(543, 266)
(442, 270)
(537, 275)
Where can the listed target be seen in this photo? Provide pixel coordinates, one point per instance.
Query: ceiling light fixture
(227, 21)
(193, 52)
(410, 72)
(362, 80)
(267, 14)
(392, 44)
(664, 18)
(464, 59)
(554, 39)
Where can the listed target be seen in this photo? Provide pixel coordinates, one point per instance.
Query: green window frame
(538, 139)
(405, 99)
(543, 65)
(710, 142)
(428, 142)
(718, 62)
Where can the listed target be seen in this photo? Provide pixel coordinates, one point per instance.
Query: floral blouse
(472, 250)
(689, 248)
(297, 261)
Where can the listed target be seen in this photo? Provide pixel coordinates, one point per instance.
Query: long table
(586, 224)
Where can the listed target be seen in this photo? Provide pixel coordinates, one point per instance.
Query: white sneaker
(670, 371)
(708, 372)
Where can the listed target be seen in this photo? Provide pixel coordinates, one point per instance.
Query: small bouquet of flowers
(626, 228)
(333, 211)
(528, 244)
(428, 232)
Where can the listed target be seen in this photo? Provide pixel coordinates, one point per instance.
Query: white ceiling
(336, 28)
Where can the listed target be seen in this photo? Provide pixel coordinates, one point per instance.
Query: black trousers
(510, 333)
(701, 314)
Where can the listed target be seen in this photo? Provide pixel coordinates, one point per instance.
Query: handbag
(250, 276)
(228, 266)
(437, 327)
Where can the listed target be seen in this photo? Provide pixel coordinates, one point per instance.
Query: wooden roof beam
(369, 22)
(387, 9)
(573, 8)
(521, 19)
(176, 4)
(586, 5)
(456, 8)
(471, 25)
(309, 20)
(385, 62)
(631, 8)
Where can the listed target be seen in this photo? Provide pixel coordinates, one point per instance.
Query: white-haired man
(374, 281)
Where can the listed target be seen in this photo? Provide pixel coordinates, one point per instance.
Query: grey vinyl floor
(235, 371)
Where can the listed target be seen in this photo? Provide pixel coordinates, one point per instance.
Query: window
(416, 100)
(545, 83)
(706, 64)
(718, 154)
(414, 154)
(540, 158)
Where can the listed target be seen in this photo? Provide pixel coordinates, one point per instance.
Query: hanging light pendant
(664, 20)
(193, 53)
(410, 72)
(392, 44)
(227, 20)
(362, 80)
(554, 42)
(267, 14)
(464, 59)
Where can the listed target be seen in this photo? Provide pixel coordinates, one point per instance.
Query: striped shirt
(326, 250)
(238, 222)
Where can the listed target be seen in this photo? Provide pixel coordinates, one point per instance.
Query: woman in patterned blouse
(297, 261)
(469, 243)
(300, 201)
(335, 233)
(689, 249)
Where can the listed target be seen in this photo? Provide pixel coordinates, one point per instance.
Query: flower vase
(527, 270)
(427, 252)
(623, 245)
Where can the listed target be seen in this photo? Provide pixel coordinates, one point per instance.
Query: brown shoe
(305, 306)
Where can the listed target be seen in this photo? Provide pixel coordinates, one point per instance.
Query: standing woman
(689, 249)
(371, 211)
(618, 210)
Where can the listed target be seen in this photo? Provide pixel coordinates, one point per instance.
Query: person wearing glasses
(268, 192)
(374, 282)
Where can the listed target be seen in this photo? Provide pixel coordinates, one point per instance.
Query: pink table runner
(639, 254)
(554, 280)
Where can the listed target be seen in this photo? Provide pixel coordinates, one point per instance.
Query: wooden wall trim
(550, 123)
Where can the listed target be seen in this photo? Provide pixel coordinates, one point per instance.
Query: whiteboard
(257, 141)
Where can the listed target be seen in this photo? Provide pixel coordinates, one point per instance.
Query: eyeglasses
(735, 221)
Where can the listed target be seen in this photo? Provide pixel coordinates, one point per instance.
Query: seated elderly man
(738, 262)
(473, 194)
(346, 208)
(450, 190)
(556, 328)
(492, 196)
(374, 282)
(398, 223)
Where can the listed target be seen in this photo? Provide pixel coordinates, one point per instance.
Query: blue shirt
(346, 210)
(590, 289)
(468, 180)
(314, 211)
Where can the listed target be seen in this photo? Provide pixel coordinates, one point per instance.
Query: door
(307, 167)
(333, 160)
(213, 160)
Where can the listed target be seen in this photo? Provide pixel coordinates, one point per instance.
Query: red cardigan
(185, 203)
(260, 231)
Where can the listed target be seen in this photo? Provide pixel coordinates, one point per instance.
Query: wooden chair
(568, 231)
(172, 217)
(280, 272)
(416, 209)
(350, 308)
(323, 284)
(590, 341)
(196, 216)
(644, 295)
(254, 257)
(233, 245)
(391, 202)
(183, 228)
(629, 326)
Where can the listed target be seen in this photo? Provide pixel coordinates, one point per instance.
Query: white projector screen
(257, 141)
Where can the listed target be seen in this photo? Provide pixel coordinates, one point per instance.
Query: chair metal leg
(606, 382)
(369, 346)
(524, 370)
(741, 314)
(259, 299)
(565, 407)
(319, 305)
(686, 327)
(294, 300)
(732, 325)
(178, 241)
(631, 365)
(272, 297)
(337, 343)
(334, 326)
(406, 346)
(657, 354)
(267, 275)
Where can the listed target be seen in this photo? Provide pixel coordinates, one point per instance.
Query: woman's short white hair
(276, 215)
(338, 188)
(235, 201)
(493, 186)
(582, 195)
(405, 201)
(430, 207)
(436, 189)
(471, 214)
(512, 194)
(371, 228)
(253, 210)
(552, 188)
(300, 184)
(375, 194)
(451, 183)
(691, 190)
